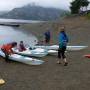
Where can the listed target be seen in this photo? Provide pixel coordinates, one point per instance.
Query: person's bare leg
(59, 57)
(65, 62)
(58, 61)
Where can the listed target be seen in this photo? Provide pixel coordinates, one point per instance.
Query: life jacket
(7, 48)
(21, 47)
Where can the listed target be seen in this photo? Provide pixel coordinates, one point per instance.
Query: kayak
(88, 55)
(75, 48)
(55, 47)
(38, 52)
(23, 59)
(53, 52)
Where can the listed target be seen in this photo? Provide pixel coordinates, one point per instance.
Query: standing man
(47, 35)
(63, 40)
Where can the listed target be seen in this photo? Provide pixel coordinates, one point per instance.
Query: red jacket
(7, 48)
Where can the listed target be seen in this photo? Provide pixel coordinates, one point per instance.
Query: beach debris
(2, 81)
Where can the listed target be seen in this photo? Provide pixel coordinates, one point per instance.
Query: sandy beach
(52, 76)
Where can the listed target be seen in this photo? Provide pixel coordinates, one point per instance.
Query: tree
(77, 4)
(85, 3)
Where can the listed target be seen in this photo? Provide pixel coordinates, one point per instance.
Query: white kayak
(55, 47)
(38, 52)
(23, 59)
(52, 51)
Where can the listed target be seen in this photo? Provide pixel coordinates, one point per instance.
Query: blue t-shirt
(63, 39)
(47, 34)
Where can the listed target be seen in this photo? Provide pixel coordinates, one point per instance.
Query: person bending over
(7, 49)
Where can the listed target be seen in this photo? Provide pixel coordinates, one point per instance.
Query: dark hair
(21, 41)
(14, 44)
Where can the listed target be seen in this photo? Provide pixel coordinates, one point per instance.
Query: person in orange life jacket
(21, 46)
(63, 40)
(7, 49)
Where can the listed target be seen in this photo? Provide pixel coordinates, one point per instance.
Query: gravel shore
(52, 76)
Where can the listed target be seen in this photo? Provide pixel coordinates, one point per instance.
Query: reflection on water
(8, 34)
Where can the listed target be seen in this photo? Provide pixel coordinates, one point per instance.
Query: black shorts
(61, 52)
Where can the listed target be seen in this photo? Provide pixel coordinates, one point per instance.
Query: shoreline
(52, 76)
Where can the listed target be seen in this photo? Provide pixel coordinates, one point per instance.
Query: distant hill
(3, 12)
(30, 12)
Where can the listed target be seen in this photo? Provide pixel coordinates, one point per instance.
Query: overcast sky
(10, 4)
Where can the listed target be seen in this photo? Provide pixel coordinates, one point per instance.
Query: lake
(18, 21)
(8, 34)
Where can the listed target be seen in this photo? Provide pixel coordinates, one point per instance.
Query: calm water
(17, 21)
(8, 34)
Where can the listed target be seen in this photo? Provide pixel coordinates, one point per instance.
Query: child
(21, 46)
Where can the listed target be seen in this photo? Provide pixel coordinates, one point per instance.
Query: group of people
(62, 40)
(7, 49)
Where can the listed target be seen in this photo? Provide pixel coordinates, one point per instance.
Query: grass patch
(88, 15)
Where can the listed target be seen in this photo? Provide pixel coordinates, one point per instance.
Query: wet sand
(52, 76)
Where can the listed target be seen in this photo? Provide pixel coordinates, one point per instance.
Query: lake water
(8, 34)
(17, 21)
